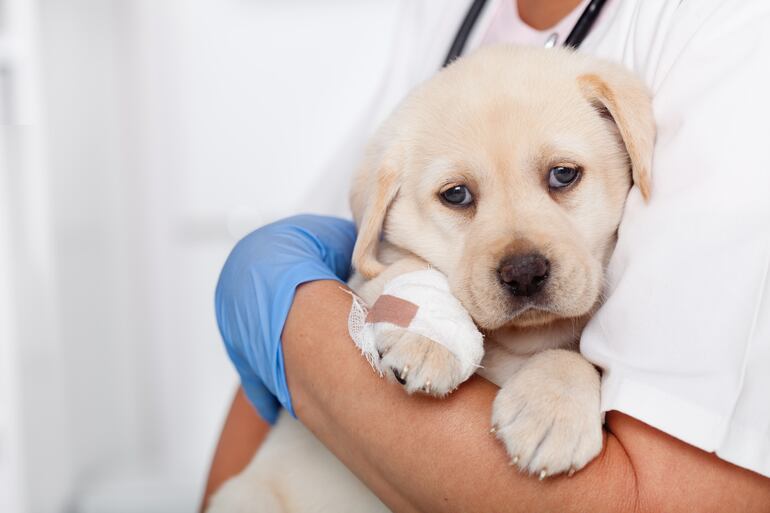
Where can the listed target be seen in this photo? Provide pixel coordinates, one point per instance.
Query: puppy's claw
(426, 387)
(404, 372)
(493, 430)
(542, 475)
(398, 377)
(571, 472)
(515, 460)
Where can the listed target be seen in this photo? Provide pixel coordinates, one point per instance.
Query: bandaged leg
(418, 303)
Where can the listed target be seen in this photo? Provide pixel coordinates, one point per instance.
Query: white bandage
(419, 302)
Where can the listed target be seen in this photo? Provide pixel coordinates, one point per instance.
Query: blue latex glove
(256, 290)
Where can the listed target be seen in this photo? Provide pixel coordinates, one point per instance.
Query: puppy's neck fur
(560, 333)
(508, 348)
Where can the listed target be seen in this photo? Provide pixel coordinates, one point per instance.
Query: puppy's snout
(524, 275)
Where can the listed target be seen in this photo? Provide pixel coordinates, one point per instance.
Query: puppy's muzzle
(524, 275)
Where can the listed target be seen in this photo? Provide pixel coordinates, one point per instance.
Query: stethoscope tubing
(574, 39)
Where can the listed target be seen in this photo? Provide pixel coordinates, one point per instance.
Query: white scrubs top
(684, 337)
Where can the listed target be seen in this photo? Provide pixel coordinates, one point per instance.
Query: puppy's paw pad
(418, 363)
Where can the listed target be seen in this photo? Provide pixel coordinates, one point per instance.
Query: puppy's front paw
(548, 414)
(418, 363)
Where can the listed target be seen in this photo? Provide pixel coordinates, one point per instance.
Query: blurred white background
(139, 139)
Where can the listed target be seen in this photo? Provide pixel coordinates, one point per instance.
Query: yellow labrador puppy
(507, 172)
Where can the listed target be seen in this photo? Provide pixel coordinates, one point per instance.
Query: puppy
(508, 172)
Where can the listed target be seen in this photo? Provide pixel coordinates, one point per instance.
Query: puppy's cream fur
(496, 122)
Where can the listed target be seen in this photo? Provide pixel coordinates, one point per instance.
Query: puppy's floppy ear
(371, 196)
(621, 97)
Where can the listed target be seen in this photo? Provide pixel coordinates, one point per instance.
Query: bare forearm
(418, 453)
(241, 436)
(422, 454)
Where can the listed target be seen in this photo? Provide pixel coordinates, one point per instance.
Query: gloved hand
(256, 290)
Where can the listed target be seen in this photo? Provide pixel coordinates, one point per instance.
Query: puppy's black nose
(524, 275)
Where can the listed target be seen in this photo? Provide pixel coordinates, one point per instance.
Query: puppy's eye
(459, 195)
(562, 176)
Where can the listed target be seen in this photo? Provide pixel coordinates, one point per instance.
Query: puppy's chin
(529, 316)
(532, 317)
(492, 308)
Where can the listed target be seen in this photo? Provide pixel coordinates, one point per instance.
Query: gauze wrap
(419, 302)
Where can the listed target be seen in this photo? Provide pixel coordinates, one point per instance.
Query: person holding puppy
(683, 339)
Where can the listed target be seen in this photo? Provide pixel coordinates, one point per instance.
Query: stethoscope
(575, 37)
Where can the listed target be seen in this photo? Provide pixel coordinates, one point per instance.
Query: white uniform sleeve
(684, 336)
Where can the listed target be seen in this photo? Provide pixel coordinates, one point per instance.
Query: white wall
(173, 128)
(35, 458)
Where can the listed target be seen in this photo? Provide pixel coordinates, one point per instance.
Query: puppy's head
(508, 171)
